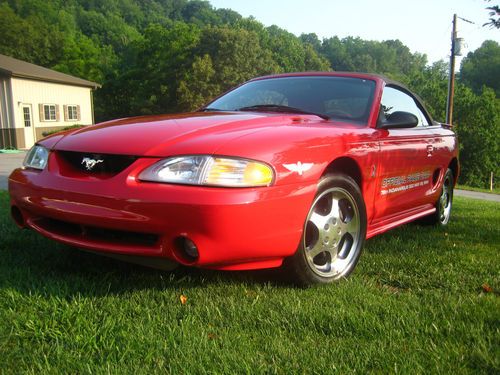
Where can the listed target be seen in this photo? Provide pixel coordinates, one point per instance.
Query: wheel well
(346, 166)
(454, 168)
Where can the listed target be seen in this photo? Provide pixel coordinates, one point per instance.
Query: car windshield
(339, 98)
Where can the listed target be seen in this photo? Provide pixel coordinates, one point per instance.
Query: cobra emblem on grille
(91, 163)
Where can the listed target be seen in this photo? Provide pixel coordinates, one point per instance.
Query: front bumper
(233, 228)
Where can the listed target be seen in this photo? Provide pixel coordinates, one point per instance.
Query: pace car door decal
(395, 184)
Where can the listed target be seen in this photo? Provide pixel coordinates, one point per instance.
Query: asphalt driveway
(9, 162)
(477, 195)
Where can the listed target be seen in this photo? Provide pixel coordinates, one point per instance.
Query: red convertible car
(295, 168)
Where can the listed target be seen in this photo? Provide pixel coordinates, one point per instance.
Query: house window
(49, 112)
(72, 113)
(27, 116)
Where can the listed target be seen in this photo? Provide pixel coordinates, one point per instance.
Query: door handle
(430, 150)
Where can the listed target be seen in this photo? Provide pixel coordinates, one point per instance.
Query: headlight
(37, 157)
(209, 170)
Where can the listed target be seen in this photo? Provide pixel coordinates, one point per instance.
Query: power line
(463, 19)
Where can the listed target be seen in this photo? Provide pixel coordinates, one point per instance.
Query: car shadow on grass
(30, 263)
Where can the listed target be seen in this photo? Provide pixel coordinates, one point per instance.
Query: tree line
(162, 56)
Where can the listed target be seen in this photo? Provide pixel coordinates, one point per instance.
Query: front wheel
(333, 233)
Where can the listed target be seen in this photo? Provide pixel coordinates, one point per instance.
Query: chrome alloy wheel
(332, 233)
(445, 200)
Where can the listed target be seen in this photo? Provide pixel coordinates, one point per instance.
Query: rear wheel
(443, 206)
(333, 234)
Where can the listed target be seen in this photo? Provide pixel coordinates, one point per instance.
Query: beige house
(34, 100)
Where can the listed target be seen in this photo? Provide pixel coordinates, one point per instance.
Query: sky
(422, 25)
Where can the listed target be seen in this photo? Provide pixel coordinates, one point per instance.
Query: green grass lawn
(415, 304)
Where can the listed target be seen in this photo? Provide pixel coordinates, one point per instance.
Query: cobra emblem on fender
(299, 167)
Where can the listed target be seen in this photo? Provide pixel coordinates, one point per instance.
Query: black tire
(333, 235)
(444, 203)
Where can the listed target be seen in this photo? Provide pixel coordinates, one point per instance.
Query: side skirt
(406, 217)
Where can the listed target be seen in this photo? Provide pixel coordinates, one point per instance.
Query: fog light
(190, 249)
(17, 216)
(186, 249)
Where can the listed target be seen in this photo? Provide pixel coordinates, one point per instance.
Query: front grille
(97, 164)
(96, 234)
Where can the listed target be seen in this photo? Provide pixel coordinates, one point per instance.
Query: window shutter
(78, 116)
(57, 112)
(40, 112)
(65, 109)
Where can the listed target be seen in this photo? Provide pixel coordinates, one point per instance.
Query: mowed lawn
(422, 300)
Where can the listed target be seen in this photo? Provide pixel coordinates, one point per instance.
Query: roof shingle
(22, 69)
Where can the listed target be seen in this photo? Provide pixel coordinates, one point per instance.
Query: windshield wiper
(280, 108)
(210, 109)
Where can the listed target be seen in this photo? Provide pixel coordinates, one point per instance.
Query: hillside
(163, 56)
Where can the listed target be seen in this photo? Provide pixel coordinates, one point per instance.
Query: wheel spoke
(315, 250)
(444, 197)
(333, 251)
(339, 265)
(318, 220)
(334, 209)
(351, 227)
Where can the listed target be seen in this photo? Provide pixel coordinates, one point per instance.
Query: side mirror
(399, 120)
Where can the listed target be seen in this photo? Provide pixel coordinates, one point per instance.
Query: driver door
(406, 162)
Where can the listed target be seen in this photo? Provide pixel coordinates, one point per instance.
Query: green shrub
(76, 126)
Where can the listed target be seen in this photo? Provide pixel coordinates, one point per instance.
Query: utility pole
(451, 80)
(456, 50)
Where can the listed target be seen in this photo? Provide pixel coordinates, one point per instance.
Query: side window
(396, 100)
(423, 120)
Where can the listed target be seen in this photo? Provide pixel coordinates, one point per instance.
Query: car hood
(164, 135)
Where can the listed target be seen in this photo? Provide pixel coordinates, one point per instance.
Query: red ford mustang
(296, 168)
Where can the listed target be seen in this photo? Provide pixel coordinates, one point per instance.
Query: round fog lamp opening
(187, 249)
(191, 249)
